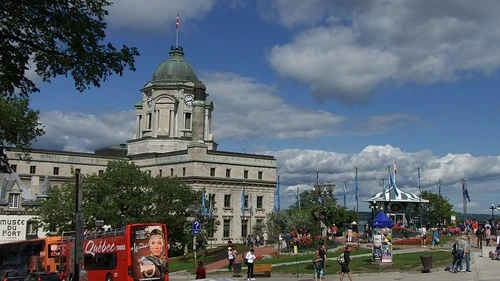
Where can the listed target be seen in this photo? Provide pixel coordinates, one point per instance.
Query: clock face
(150, 100)
(188, 100)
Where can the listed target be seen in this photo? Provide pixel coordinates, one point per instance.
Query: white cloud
(83, 132)
(297, 168)
(352, 53)
(155, 15)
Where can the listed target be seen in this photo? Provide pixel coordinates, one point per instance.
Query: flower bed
(410, 241)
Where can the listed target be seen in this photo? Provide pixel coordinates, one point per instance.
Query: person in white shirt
(231, 254)
(423, 232)
(250, 258)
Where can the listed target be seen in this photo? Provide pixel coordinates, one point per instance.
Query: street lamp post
(323, 191)
(492, 208)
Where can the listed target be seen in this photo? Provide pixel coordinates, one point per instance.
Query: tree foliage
(57, 37)
(51, 38)
(308, 215)
(438, 207)
(18, 126)
(121, 195)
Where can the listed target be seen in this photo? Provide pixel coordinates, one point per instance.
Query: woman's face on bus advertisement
(156, 245)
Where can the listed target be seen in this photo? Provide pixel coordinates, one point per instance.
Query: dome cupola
(175, 69)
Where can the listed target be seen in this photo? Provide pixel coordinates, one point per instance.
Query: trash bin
(237, 269)
(426, 263)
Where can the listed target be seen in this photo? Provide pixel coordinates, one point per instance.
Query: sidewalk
(483, 269)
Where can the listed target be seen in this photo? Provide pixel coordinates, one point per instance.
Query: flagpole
(440, 206)
(357, 191)
(177, 30)
(420, 199)
(345, 204)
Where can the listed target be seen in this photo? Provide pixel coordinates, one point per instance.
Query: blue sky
(322, 85)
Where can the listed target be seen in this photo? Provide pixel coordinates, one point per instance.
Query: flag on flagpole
(251, 205)
(345, 183)
(210, 209)
(177, 21)
(465, 191)
(356, 188)
(243, 202)
(298, 198)
(277, 196)
(395, 171)
(203, 205)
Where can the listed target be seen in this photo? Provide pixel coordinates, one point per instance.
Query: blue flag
(277, 197)
(203, 206)
(465, 191)
(243, 202)
(251, 206)
(356, 186)
(210, 210)
(298, 198)
(345, 183)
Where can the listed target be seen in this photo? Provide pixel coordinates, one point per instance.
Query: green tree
(121, 195)
(52, 38)
(18, 126)
(438, 207)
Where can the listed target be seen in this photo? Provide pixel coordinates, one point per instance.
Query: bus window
(100, 261)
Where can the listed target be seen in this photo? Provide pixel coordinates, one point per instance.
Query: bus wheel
(109, 277)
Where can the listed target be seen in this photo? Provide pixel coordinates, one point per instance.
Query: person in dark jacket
(344, 266)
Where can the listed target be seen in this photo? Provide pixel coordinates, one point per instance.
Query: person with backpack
(344, 260)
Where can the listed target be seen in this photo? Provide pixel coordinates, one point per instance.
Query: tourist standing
(423, 233)
(250, 258)
(231, 255)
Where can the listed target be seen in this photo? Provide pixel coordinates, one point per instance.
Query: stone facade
(174, 139)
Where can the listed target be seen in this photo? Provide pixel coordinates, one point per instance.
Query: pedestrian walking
(344, 260)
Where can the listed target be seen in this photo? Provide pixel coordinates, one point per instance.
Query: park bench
(263, 268)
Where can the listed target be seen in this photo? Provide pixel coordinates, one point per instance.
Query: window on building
(101, 172)
(187, 121)
(259, 221)
(212, 172)
(183, 171)
(78, 171)
(150, 119)
(244, 228)
(226, 229)
(245, 174)
(227, 201)
(228, 173)
(160, 172)
(13, 168)
(32, 170)
(260, 199)
(149, 172)
(14, 200)
(172, 172)
(32, 229)
(246, 201)
(260, 175)
(56, 171)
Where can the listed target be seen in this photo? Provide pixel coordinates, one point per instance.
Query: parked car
(11, 275)
(43, 276)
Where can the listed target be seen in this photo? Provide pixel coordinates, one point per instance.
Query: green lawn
(401, 262)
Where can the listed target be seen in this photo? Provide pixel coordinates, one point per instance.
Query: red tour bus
(138, 252)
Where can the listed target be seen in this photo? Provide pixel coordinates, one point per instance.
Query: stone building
(173, 138)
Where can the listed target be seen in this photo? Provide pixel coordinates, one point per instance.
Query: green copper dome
(175, 69)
